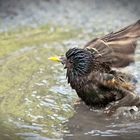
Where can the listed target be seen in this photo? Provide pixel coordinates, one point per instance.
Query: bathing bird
(93, 71)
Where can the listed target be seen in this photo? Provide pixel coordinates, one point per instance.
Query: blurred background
(36, 103)
(79, 13)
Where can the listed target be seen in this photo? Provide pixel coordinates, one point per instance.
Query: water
(36, 103)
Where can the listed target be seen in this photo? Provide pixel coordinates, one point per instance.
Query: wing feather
(122, 45)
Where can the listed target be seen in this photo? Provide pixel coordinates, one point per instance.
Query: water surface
(36, 103)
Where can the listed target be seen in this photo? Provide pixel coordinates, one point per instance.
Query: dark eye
(71, 61)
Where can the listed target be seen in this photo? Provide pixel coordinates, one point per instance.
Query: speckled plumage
(90, 69)
(90, 78)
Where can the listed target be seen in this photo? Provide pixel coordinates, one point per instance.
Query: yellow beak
(55, 58)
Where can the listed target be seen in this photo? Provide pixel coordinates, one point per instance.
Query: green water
(35, 99)
(36, 103)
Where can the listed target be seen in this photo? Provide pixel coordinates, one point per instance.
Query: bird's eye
(71, 61)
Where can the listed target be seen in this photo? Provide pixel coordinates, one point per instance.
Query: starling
(92, 70)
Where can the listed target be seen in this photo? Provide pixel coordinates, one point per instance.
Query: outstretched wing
(122, 43)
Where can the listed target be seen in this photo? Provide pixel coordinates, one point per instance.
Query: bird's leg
(129, 99)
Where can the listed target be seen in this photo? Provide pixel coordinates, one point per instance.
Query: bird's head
(77, 61)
